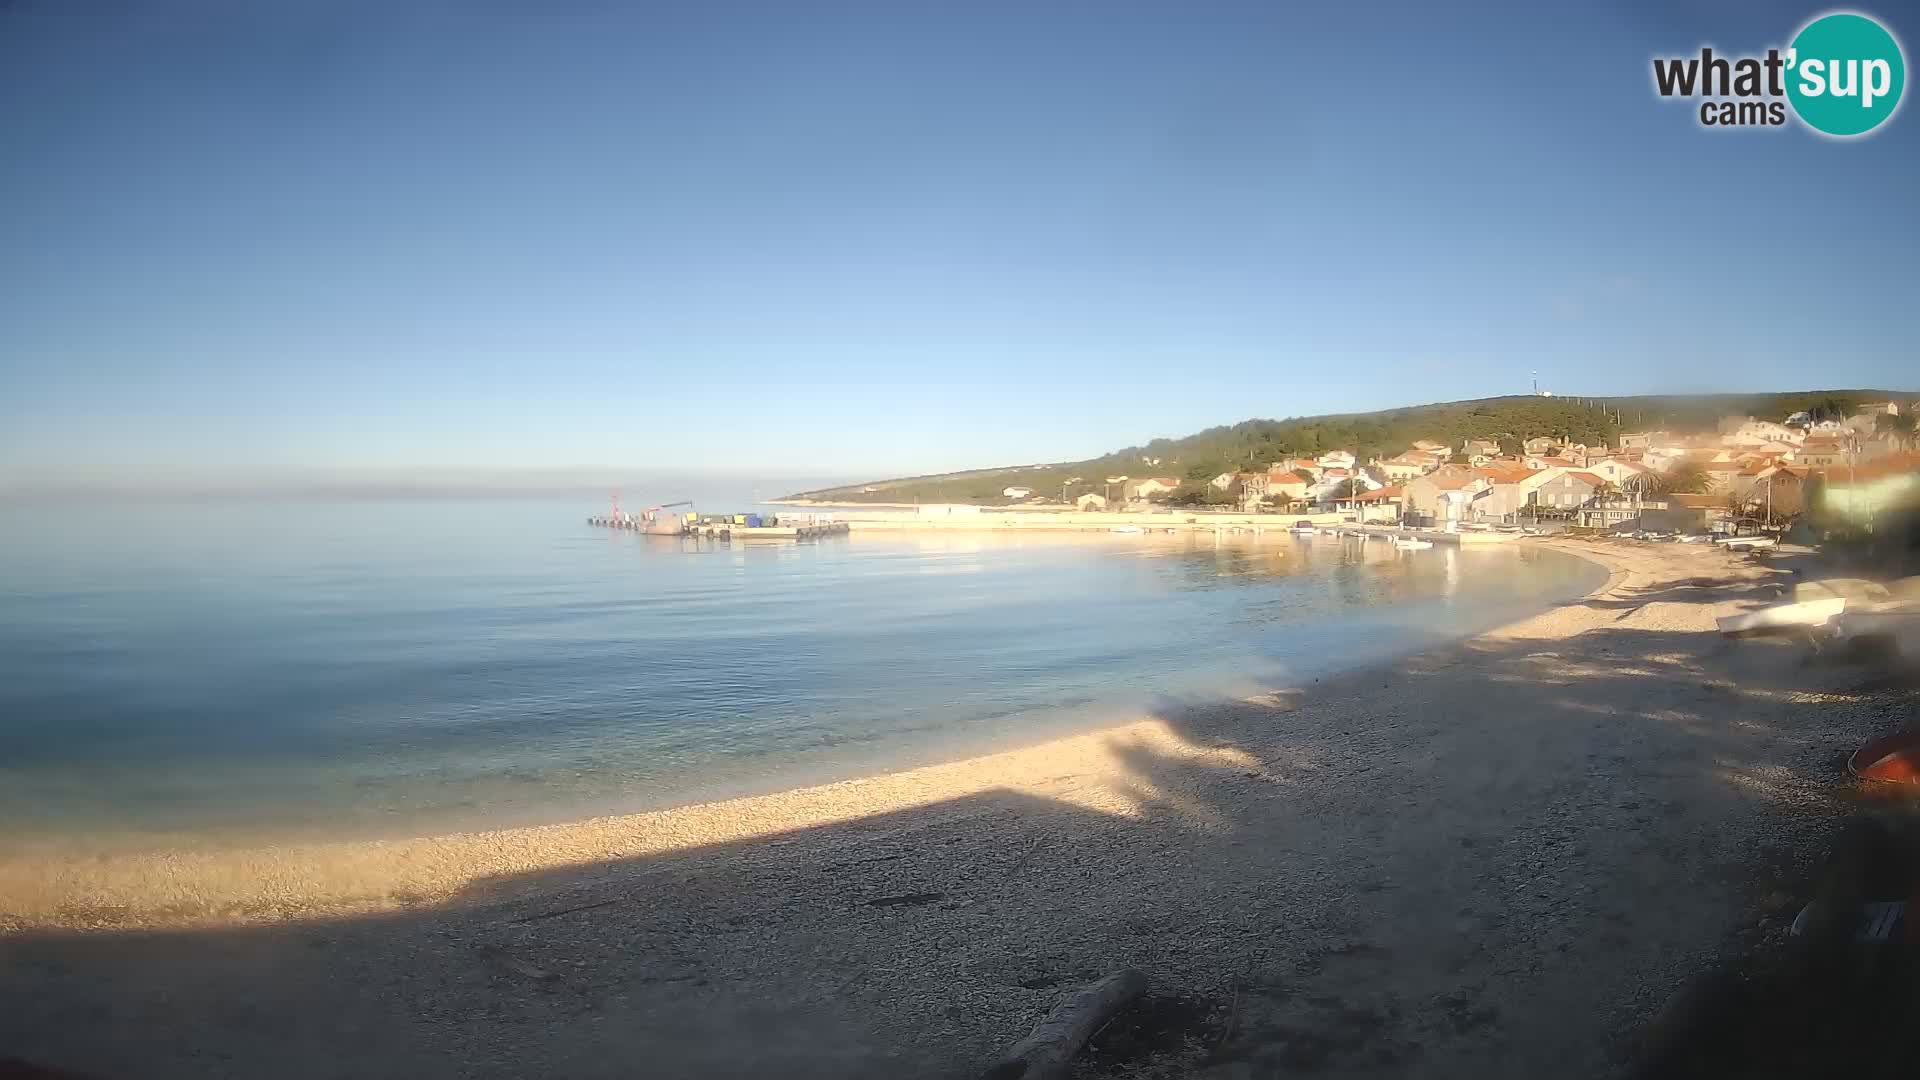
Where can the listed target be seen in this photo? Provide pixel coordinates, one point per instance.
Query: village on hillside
(1749, 472)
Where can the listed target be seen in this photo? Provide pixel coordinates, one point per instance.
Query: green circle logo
(1845, 74)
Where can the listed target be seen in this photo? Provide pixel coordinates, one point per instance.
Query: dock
(723, 529)
(656, 521)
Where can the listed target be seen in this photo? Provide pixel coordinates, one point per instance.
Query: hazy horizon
(428, 479)
(595, 482)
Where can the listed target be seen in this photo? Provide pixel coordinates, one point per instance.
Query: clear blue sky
(893, 237)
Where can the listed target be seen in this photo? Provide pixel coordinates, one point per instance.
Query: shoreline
(1492, 858)
(160, 885)
(910, 518)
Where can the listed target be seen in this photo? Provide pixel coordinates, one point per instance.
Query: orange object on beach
(1895, 759)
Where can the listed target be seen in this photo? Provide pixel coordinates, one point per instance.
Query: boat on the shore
(1127, 529)
(1748, 543)
(1411, 543)
(1897, 622)
(1805, 613)
(1858, 590)
(1895, 758)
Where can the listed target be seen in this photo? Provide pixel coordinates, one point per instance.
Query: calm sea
(221, 670)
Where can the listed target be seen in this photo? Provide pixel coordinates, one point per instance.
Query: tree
(1899, 428)
(1684, 478)
(1832, 408)
(1739, 504)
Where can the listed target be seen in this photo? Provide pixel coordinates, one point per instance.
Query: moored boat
(1805, 613)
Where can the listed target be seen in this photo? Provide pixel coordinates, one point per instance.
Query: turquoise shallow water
(234, 668)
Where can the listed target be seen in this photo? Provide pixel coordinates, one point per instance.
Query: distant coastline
(1190, 460)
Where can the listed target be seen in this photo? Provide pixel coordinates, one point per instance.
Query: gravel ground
(1492, 859)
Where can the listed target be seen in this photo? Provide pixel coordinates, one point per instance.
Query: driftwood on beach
(1049, 1050)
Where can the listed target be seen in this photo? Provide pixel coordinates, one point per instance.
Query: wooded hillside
(1253, 444)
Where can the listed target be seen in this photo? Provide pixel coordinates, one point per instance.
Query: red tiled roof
(1589, 478)
(1394, 491)
(1452, 477)
(1891, 465)
(1507, 474)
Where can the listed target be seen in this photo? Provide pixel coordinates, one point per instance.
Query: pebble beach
(1493, 858)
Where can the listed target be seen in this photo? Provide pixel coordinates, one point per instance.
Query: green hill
(1253, 444)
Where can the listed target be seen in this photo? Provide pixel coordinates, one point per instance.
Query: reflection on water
(388, 667)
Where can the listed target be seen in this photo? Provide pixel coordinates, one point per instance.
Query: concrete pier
(720, 530)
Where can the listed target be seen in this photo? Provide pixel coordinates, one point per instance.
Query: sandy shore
(186, 887)
(1489, 859)
(272, 883)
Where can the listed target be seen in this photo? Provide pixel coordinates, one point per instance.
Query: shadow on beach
(1488, 860)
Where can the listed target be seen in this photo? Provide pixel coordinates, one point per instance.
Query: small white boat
(1736, 543)
(1858, 590)
(1895, 622)
(1898, 621)
(1127, 529)
(1807, 613)
(1411, 543)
